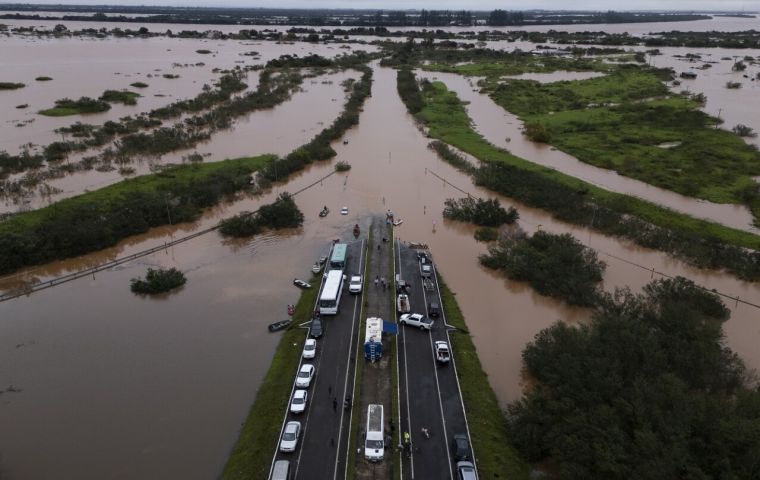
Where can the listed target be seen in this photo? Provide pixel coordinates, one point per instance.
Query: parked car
(298, 403)
(316, 327)
(355, 285)
(416, 320)
(303, 380)
(434, 310)
(460, 448)
(466, 471)
(290, 435)
(310, 348)
(442, 354)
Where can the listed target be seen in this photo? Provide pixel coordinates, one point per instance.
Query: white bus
(331, 291)
(374, 444)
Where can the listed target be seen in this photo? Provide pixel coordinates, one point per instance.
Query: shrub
(342, 166)
(409, 91)
(43, 79)
(282, 213)
(555, 265)
(120, 96)
(486, 213)
(744, 131)
(139, 85)
(158, 281)
(203, 51)
(486, 234)
(11, 85)
(538, 132)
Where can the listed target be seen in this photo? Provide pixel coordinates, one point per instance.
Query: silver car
(303, 380)
(290, 436)
(298, 404)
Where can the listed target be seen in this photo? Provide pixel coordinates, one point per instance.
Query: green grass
(517, 65)
(120, 96)
(529, 97)
(496, 458)
(708, 163)
(251, 456)
(59, 112)
(182, 174)
(448, 121)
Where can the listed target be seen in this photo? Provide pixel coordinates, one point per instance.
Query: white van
(374, 445)
(281, 470)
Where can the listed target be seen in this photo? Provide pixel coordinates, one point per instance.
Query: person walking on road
(335, 404)
(377, 280)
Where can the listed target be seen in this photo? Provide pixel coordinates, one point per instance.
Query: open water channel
(100, 383)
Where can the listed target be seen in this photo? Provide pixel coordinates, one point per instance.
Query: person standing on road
(377, 280)
(335, 404)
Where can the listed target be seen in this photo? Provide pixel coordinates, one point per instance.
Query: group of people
(381, 281)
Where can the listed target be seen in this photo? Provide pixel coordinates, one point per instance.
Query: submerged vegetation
(484, 213)
(158, 281)
(11, 85)
(555, 265)
(648, 389)
(282, 213)
(120, 96)
(698, 242)
(83, 105)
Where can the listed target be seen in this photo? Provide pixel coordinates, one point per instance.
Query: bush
(139, 85)
(538, 132)
(342, 166)
(744, 131)
(11, 85)
(43, 79)
(158, 281)
(486, 234)
(282, 213)
(647, 390)
(120, 96)
(485, 213)
(409, 91)
(555, 265)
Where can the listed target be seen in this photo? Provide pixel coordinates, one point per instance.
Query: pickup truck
(402, 303)
(416, 320)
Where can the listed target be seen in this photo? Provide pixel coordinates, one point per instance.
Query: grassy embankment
(251, 456)
(665, 141)
(448, 121)
(496, 458)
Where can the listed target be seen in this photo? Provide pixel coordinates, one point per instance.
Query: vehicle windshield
(376, 444)
(298, 400)
(303, 374)
(310, 347)
(289, 436)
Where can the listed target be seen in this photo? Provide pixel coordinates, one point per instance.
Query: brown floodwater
(107, 384)
(504, 130)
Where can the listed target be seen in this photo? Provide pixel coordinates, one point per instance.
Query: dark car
(460, 448)
(316, 327)
(434, 310)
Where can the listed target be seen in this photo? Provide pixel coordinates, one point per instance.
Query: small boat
(316, 268)
(323, 213)
(397, 223)
(276, 326)
(300, 283)
(344, 211)
(356, 231)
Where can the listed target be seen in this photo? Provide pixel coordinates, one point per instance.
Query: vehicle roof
(311, 341)
(356, 277)
(292, 424)
(441, 343)
(299, 393)
(307, 366)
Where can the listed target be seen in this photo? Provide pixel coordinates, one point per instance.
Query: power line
(143, 253)
(653, 271)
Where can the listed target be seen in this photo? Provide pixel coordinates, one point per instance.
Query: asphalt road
(430, 395)
(322, 447)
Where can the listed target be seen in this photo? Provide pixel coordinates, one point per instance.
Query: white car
(310, 348)
(442, 353)
(344, 211)
(298, 404)
(305, 375)
(355, 286)
(290, 436)
(416, 320)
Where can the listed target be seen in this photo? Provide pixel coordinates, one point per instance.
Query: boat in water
(316, 268)
(277, 326)
(323, 213)
(300, 283)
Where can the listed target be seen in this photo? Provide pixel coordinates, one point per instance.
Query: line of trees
(484, 213)
(282, 213)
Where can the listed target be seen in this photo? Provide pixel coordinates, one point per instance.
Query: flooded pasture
(101, 383)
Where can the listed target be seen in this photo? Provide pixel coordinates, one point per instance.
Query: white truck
(374, 444)
(402, 303)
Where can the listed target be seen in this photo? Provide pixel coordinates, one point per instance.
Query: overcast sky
(688, 5)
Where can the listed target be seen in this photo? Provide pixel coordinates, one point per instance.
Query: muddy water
(117, 386)
(278, 131)
(504, 129)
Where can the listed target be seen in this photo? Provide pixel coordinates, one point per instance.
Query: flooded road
(100, 383)
(117, 386)
(504, 130)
